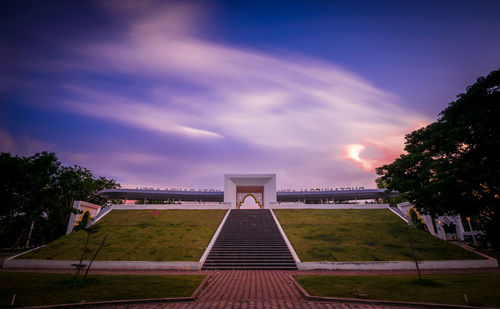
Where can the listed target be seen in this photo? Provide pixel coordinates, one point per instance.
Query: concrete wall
(398, 265)
(229, 191)
(170, 206)
(53, 264)
(270, 192)
(327, 206)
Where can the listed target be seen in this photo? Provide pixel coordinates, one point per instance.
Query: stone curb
(130, 301)
(398, 265)
(101, 265)
(307, 296)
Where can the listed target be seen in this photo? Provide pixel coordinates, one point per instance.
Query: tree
(451, 166)
(392, 201)
(11, 180)
(74, 183)
(38, 192)
(26, 185)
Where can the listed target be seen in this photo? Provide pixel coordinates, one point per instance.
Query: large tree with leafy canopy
(453, 165)
(39, 191)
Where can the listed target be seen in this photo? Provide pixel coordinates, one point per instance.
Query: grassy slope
(140, 235)
(47, 289)
(481, 289)
(360, 235)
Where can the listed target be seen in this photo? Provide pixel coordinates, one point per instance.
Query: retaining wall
(53, 264)
(398, 265)
(169, 206)
(327, 206)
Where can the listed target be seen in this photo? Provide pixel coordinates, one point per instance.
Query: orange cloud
(352, 152)
(375, 152)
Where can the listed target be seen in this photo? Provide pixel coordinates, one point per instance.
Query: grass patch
(360, 235)
(481, 289)
(140, 235)
(34, 289)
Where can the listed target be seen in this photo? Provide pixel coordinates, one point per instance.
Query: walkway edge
(117, 302)
(307, 296)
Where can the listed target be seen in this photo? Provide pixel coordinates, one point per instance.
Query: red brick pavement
(250, 289)
(249, 285)
(256, 289)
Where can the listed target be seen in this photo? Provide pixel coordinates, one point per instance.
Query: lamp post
(472, 232)
(440, 228)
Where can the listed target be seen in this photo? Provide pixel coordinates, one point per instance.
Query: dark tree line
(37, 194)
(453, 165)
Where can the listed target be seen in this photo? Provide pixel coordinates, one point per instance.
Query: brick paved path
(249, 285)
(250, 289)
(255, 289)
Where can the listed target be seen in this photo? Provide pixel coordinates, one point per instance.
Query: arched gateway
(249, 201)
(261, 187)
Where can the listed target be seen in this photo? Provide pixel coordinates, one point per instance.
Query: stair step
(254, 263)
(250, 239)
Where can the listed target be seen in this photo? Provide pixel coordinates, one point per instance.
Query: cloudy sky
(175, 94)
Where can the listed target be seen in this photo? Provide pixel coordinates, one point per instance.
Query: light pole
(472, 232)
(441, 228)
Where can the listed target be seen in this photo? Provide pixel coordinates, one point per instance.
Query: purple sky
(175, 94)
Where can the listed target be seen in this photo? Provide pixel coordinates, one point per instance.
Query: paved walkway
(258, 289)
(250, 289)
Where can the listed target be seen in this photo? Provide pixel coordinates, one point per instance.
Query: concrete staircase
(249, 239)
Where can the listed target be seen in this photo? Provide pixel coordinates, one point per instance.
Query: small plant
(96, 253)
(414, 257)
(83, 225)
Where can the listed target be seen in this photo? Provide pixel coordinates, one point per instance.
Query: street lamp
(472, 232)
(439, 228)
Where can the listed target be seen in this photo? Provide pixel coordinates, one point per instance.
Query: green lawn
(360, 235)
(140, 235)
(34, 289)
(481, 289)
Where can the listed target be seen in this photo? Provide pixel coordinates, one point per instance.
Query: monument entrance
(250, 190)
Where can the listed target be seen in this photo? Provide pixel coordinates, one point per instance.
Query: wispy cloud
(137, 113)
(313, 118)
